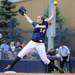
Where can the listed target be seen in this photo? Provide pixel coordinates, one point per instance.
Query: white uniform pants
(40, 47)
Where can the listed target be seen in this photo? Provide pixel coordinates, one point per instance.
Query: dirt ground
(37, 73)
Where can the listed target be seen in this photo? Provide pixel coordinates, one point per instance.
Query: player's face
(62, 45)
(39, 20)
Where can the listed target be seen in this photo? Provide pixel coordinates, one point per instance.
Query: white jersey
(63, 51)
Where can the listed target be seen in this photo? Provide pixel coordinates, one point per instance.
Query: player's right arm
(28, 18)
(22, 11)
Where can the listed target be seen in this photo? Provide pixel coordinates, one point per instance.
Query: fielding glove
(22, 10)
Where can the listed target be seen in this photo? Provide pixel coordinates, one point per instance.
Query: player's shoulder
(34, 23)
(46, 22)
(65, 46)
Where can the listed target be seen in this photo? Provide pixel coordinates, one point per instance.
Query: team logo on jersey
(40, 26)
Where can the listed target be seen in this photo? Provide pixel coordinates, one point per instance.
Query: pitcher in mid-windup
(37, 41)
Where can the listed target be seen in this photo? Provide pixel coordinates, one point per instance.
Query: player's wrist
(25, 14)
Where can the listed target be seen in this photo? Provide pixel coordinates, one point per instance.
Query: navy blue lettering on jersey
(39, 31)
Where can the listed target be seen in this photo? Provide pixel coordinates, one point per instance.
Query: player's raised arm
(51, 17)
(22, 11)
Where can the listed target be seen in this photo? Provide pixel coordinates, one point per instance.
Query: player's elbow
(49, 23)
(30, 21)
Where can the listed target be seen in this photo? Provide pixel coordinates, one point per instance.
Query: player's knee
(20, 55)
(46, 61)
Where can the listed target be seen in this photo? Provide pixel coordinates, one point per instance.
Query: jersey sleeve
(68, 50)
(34, 23)
(46, 24)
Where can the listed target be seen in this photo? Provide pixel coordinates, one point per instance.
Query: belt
(37, 41)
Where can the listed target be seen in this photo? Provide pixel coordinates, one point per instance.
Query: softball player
(38, 38)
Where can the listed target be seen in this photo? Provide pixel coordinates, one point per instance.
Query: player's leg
(42, 53)
(21, 54)
(63, 62)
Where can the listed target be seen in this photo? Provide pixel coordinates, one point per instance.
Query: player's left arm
(68, 51)
(52, 16)
(68, 58)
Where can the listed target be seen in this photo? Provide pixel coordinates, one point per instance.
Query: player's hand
(61, 59)
(67, 60)
(22, 10)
